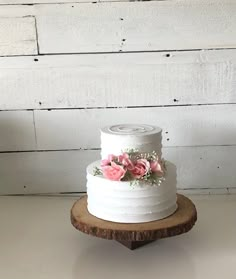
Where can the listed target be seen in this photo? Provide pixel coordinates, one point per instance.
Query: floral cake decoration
(133, 166)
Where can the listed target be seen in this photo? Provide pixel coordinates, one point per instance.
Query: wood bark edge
(142, 235)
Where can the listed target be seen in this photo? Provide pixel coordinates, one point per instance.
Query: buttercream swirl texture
(122, 201)
(118, 138)
(119, 201)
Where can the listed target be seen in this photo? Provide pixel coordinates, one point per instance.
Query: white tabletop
(37, 241)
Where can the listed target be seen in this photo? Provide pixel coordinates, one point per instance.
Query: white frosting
(118, 201)
(118, 138)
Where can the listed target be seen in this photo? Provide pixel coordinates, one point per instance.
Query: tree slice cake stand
(138, 234)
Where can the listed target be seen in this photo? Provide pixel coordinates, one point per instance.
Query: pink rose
(125, 161)
(156, 167)
(123, 156)
(107, 162)
(111, 157)
(141, 167)
(113, 172)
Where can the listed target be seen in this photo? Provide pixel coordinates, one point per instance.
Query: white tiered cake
(131, 184)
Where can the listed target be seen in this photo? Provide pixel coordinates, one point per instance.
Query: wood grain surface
(18, 36)
(179, 222)
(115, 80)
(136, 26)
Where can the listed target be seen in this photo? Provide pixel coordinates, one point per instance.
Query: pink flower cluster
(116, 167)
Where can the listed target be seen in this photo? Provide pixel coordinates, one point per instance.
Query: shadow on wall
(17, 136)
(17, 131)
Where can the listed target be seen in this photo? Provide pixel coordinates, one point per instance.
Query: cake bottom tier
(119, 201)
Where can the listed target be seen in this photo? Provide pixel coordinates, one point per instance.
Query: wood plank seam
(137, 51)
(36, 34)
(33, 2)
(35, 132)
(120, 52)
(47, 150)
(59, 3)
(98, 149)
(118, 107)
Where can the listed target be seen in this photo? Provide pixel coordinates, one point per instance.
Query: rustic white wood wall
(66, 69)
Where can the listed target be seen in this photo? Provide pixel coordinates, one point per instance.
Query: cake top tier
(131, 130)
(116, 139)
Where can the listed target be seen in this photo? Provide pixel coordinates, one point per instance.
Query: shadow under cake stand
(136, 234)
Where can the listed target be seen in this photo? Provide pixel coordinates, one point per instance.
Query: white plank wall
(64, 171)
(66, 69)
(44, 172)
(182, 126)
(118, 80)
(136, 26)
(18, 36)
(143, 26)
(131, 26)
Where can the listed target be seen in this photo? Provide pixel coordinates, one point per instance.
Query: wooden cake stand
(138, 234)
